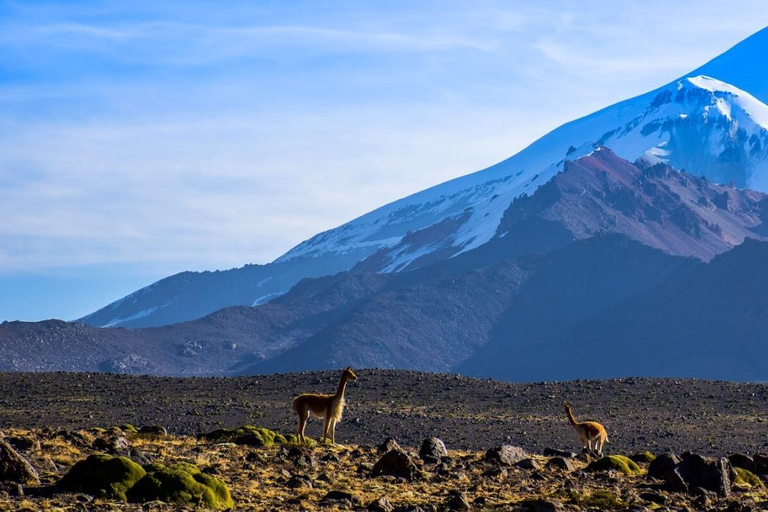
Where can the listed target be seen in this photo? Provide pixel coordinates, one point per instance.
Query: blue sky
(139, 139)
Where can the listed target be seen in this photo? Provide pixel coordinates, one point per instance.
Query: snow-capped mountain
(699, 123)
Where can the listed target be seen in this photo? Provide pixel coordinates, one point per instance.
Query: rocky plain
(409, 441)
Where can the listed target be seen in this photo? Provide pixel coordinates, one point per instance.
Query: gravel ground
(707, 417)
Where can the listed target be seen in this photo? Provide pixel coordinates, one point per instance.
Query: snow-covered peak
(699, 124)
(727, 96)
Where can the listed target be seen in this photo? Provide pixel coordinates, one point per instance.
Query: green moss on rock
(182, 484)
(103, 476)
(247, 435)
(745, 477)
(618, 462)
(643, 457)
(128, 428)
(601, 499)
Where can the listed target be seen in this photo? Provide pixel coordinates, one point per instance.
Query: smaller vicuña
(591, 434)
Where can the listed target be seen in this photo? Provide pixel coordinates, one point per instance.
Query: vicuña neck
(569, 413)
(342, 387)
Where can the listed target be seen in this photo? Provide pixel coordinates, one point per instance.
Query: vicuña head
(328, 407)
(592, 435)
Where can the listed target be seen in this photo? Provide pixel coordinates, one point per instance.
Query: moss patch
(104, 476)
(247, 435)
(618, 462)
(128, 428)
(643, 457)
(182, 484)
(600, 499)
(746, 478)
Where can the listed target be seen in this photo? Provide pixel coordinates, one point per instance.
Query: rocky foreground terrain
(504, 446)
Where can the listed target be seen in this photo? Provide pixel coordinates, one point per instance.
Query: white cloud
(189, 136)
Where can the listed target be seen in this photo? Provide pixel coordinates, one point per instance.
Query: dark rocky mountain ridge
(598, 242)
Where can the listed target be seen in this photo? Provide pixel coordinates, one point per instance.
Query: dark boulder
(299, 482)
(560, 464)
(457, 500)
(339, 498)
(540, 505)
(698, 472)
(24, 443)
(528, 464)
(551, 452)
(761, 463)
(432, 450)
(506, 455)
(396, 463)
(15, 468)
(153, 430)
(380, 505)
(739, 460)
(112, 446)
(389, 444)
(663, 464)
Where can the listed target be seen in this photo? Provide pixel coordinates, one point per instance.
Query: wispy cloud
(175, 135)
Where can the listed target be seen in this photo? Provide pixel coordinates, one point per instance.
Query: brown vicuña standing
(591, 434)
(328, 407)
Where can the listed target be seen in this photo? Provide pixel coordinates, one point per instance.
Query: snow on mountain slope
(699, 124)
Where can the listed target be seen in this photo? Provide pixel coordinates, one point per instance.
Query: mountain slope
(595, 224)
(710, 320)
(699, 124)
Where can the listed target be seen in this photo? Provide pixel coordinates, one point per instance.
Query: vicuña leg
(303, 417)
(326, 426)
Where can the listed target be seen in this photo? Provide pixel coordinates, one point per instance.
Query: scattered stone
(432, 450)
(739, 460)
(301, 457)
(540, 505)
(337, 497)
(299, 482)
(506, 455)
(112, 446)
(380, 505)
(182, 484)
(495, 473)
(74, 438)
(330, 457)
(528, 464)
(364, 467)
(550, 452)
(153, 430)
(396, 463)
(139, 457)
(24, 443)
(560, 464)
(618, 463)
(388, 445)
(457, 500)
(15, 468)
(654, 497)
(103, 476)
(696, 471)
(12, 488)
(662, 465)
